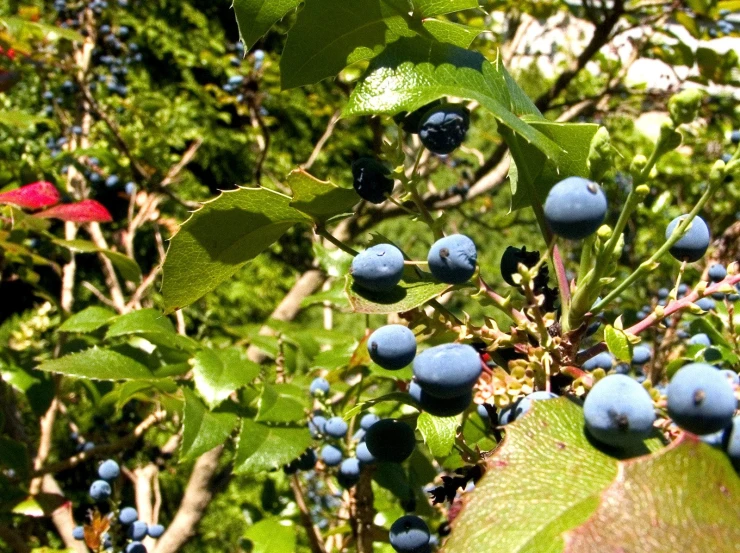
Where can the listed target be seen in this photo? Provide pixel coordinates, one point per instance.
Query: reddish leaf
(86, 211)
(32, 196)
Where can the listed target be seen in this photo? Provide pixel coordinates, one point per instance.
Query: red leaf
(32, 196)
(86, 211)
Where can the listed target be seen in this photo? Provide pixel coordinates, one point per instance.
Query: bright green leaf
(88, 320)
(271, 535)
(218, 373)
(220, 238)
(281, 403)
(451, 33)
(430, 8)
(97, 364)
(438, 433)
(263, 447)
(618, 343)
(321, 200)
(128, 268)
(202, 429)
(143, 321)
(256, 17)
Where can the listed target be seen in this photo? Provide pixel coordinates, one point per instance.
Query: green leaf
(688, 492)
(533, 175)
(20, 119)
(329, 35)
(702, 325)
(430, 8)
(202, 429)
(263, 448)
(220, 238)
(438, 433)
(14, 455)
(143, 321)
(512, 511)
(256, 17)
(452, 33)
(40, 505)
(20, 27)
(397, 397)
(414, 290)
(413, 72)
(128, 268)
(97, 364)
(88, 320)
(281, 403)
(272, 535)
(618, 343)
(218, 373)
(320, 200)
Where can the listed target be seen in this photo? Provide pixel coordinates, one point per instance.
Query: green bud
(642, 191)
(718, 171)
(600, 154)
(669, 138)
(684, 106)
(638, 165)
(604, 232)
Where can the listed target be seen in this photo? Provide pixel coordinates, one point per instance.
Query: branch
(322, 141)
(198, 495)
(102, 450)
(111, 279)
(315, 540)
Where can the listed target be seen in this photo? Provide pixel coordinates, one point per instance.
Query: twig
(111, 279)
(322, 141)
(315, 540)
(98, 294)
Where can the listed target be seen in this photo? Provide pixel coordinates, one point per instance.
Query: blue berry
(694, 243)
(682, 290)
(155, 531)
(128, 515)
(603, 360)
(371, 180)
(663, 293)
(731, 442)
(409, 534)
(78, 533)
(390, 440)
(100, 490)
(363, 454)
(109, 470)
(618, 411)
(368, 420)
(392, 346)
(440, 407)
(316, 426)
(379, 268)
(504, 417)
(331, 455)
(448, 370)
(735, 137)
(706, 304)
(138, 530)
(575, 208)
(359, 435)
(512, 258)
(349, 472)
(732, 377)
(483, 412)
(717, 272)
(319, 386)
(336, 427)
(135, 547)
(700, 399)
(443, 128)
(112, 181)
(700, 339)
(307, 461)
(522, 407)
(641, 355)
(453, 259)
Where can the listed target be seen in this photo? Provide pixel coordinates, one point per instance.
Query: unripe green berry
(684, 106)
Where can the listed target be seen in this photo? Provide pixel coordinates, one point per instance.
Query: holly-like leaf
(142, 321)
(264, 447)
(413, 72)
(218, 373)
(546, 478)
(39, 505)
(687, 495)
(202, 429)
(85, 211)
(32, 196)
(329, 35)
(220, 238)
(88, 320)
(272, 535)
(532, 174)
(451, 33)
(98, 364)
(438, 433)
(618, 343)
(321, 200)
(281, 403)
(256, 17)
(413, 291)
(430, 8)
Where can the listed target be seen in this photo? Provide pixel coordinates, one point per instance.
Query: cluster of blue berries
(237, 83)
(134, 530)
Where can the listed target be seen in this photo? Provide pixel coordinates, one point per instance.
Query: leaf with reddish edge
(32, 196)
(684, 498)
(86, 211)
